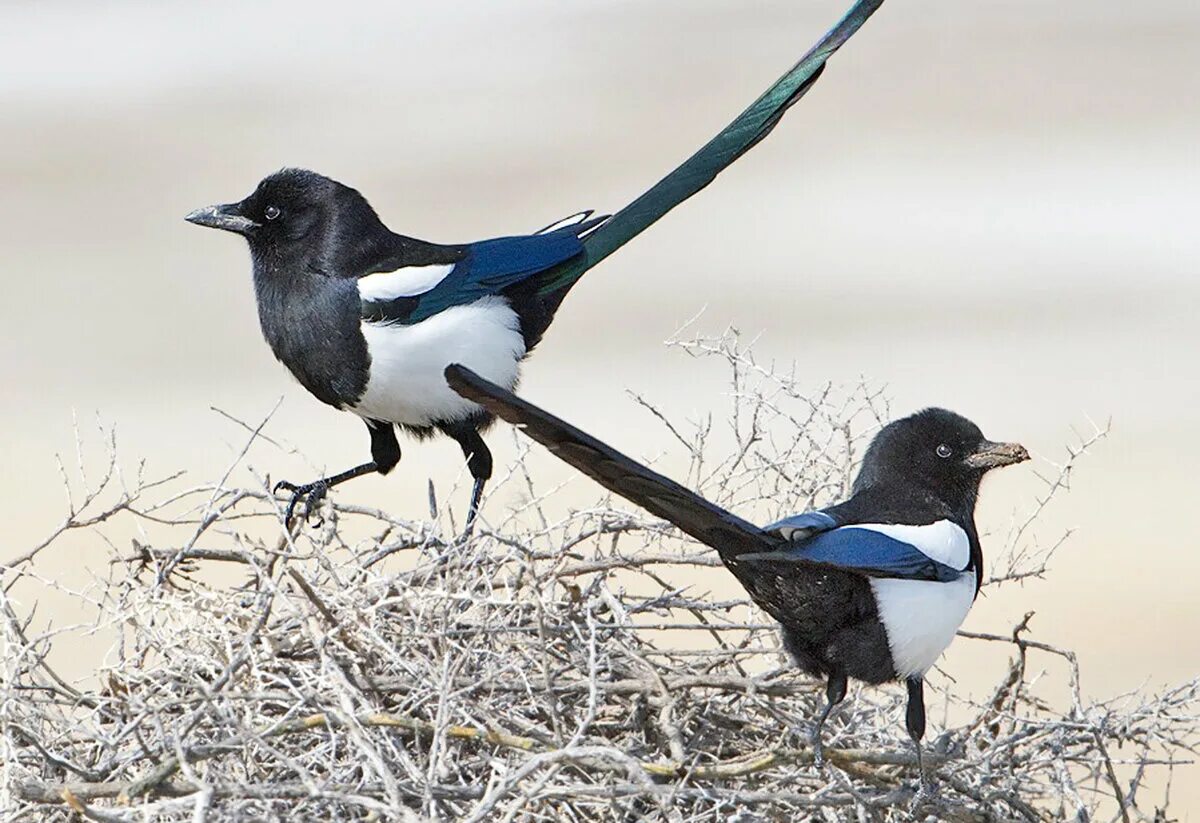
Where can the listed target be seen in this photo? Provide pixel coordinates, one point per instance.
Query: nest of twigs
(557, 666)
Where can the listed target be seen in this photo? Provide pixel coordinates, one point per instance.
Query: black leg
(479, 462)
(385, 453)
(835, 692)
(914, 720)
(385, 449)
(473, 506)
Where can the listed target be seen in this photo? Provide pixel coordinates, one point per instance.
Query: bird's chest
(312, 326)
(407, 382)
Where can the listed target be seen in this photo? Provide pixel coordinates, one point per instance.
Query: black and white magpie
(367, 319)
(872, 588)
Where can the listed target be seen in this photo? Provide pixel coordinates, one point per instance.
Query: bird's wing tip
(571, 220)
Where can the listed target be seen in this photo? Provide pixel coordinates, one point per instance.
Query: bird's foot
(472, 510)
(818, 755)
(467, 531)
(311, 493)
(927, 795)
(812, 739)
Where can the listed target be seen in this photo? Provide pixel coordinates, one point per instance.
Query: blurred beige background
(989, 205)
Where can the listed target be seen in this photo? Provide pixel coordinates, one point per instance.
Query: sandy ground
(988, 206)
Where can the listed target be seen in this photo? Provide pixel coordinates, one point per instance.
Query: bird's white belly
(921, 618)
(407, 384)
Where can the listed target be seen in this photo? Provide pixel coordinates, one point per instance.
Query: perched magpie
(873, 588)
(367, 319)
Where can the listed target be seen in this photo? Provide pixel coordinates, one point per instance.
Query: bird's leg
(313, 493)
(914, 720)
(473, 506)
(835, 692)
(479, 462)
(385, 451)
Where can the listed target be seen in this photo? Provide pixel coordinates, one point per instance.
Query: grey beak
(991, 455)
(224, 217)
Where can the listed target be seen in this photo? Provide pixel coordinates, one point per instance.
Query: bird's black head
(295, 214)
(939, 451)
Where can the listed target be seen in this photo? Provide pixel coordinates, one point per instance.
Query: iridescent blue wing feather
(856, 549)
(486, 268)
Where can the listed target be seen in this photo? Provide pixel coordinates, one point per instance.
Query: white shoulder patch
(943, 540)
(406, 282)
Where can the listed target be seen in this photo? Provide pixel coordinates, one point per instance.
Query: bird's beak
(226, 217)
(991, 455)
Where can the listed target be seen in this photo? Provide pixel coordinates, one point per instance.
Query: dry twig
(551, 669)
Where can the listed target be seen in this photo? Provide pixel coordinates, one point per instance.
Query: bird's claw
(467, 531)
(311, 493)
(927, 794)
(812, 739)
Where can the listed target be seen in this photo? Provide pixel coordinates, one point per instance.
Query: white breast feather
(406, 282)
(407, 384)
(944, 540)
(921, 617)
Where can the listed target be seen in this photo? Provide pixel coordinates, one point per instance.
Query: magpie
(872, 588)
(367, 319)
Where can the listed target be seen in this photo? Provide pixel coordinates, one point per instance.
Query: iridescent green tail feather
(701, 168)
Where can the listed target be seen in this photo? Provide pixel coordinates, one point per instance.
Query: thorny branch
(555, 667)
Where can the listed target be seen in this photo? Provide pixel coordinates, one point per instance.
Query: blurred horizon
(989, 206)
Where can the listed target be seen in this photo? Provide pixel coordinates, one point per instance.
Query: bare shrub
(552, 668)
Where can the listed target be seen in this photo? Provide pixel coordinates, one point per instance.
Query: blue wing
(816, 539)
(486, 268)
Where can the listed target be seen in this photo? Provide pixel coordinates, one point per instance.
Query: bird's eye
(944, 451)
(271, 212)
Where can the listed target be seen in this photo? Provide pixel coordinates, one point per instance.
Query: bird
(367, 319)
(872, 588)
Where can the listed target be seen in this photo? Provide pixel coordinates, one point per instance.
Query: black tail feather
(707, 522)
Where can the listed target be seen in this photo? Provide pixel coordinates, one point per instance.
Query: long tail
(729, 534)
(701, 168)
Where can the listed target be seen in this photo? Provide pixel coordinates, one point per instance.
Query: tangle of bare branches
(553, 667)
